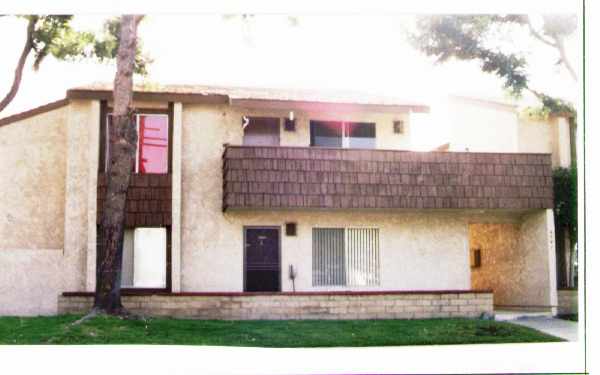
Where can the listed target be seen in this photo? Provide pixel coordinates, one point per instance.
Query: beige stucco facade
(482, 126)
(547, 136)
(44, 203)
(486, 126)
(48, 212)
(517, 260)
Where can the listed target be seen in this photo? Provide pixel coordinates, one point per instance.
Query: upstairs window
(342, 134)
(326, 133)
(345, 256)
(152, 151)
(261, 131)
(153, 144)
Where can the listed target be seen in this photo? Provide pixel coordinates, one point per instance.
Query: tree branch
(20, 65)
(537, 35)
(558, 44)
(563, 56)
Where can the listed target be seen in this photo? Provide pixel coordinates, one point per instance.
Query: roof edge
(486, 101)
(33, 112)
(197, 98)
(87, 94)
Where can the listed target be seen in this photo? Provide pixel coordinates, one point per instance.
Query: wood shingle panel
(148, 200)
(260, 177)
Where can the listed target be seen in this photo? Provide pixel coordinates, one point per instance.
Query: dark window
(361, 135)
(326, 133)
(342, 134)
(261, 131)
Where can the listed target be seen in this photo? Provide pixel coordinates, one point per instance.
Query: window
(360, 135)
(153, 144)
(152, 153)
(261, 132)
(345, 256)
(144, 258)
(326, 134)
(342, 134)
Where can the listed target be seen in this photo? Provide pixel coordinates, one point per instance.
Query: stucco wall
(32, 182)
(501, 267)
(231, 118)
(537, 243)
(423, 250)
(32, 192)
(43, 200)
(535, 136)
(547, 136)
(419, 250)
(516, 260)
(479, 126)
(483, 126)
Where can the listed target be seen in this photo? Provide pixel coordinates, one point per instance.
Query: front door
(262, 269)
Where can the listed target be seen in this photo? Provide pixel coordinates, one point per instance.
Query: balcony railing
(262, 177)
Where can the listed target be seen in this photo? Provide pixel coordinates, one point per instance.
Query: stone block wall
(342, 305)
(567, 301)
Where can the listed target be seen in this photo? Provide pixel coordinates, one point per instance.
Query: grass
(307, 333)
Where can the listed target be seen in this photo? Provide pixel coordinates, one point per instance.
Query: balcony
(261, 177)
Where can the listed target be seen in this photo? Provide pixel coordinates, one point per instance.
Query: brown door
(262, 271)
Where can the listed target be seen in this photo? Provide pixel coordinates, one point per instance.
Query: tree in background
(53, 35)
(482, 38)
(123, 139)
(475, 37)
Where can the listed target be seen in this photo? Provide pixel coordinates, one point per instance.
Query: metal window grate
(345, 256)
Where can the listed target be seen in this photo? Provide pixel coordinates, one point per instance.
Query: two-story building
(250, 203)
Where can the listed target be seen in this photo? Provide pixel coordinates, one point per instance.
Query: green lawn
(315, 333)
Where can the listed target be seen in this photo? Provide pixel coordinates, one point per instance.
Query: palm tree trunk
(123, 139)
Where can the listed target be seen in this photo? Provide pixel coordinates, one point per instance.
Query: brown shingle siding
(148, 200)
(295, 177)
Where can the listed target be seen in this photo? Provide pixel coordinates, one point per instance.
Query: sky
(359, 52)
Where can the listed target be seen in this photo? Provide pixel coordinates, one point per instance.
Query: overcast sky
(358, 52)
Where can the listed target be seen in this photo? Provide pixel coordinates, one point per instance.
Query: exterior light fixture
(290, 229)
(289, 123)
(398, 127)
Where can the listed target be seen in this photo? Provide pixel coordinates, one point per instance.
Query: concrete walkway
(564, 329)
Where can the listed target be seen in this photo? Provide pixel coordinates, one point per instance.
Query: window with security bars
(345, 256)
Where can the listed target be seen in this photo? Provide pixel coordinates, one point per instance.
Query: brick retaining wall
(298, 306)
(567, 301)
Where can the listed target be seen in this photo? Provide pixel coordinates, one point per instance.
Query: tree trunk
(123, 139)
(12, 92)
